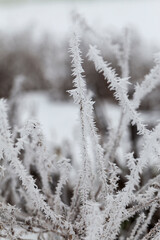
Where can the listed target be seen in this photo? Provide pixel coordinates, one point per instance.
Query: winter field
(79, 120)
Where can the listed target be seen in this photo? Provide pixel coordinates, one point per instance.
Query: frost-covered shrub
(98, 207)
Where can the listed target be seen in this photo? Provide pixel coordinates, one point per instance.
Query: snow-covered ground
(55, 17)
(59, 120)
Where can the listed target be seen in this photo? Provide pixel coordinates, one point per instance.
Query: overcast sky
(54, 16)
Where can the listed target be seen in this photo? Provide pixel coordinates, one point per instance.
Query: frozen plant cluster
(98, 207)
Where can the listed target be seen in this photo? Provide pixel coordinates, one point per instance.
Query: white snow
(59, 120)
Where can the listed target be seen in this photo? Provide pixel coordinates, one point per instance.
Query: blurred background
(35, 68)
